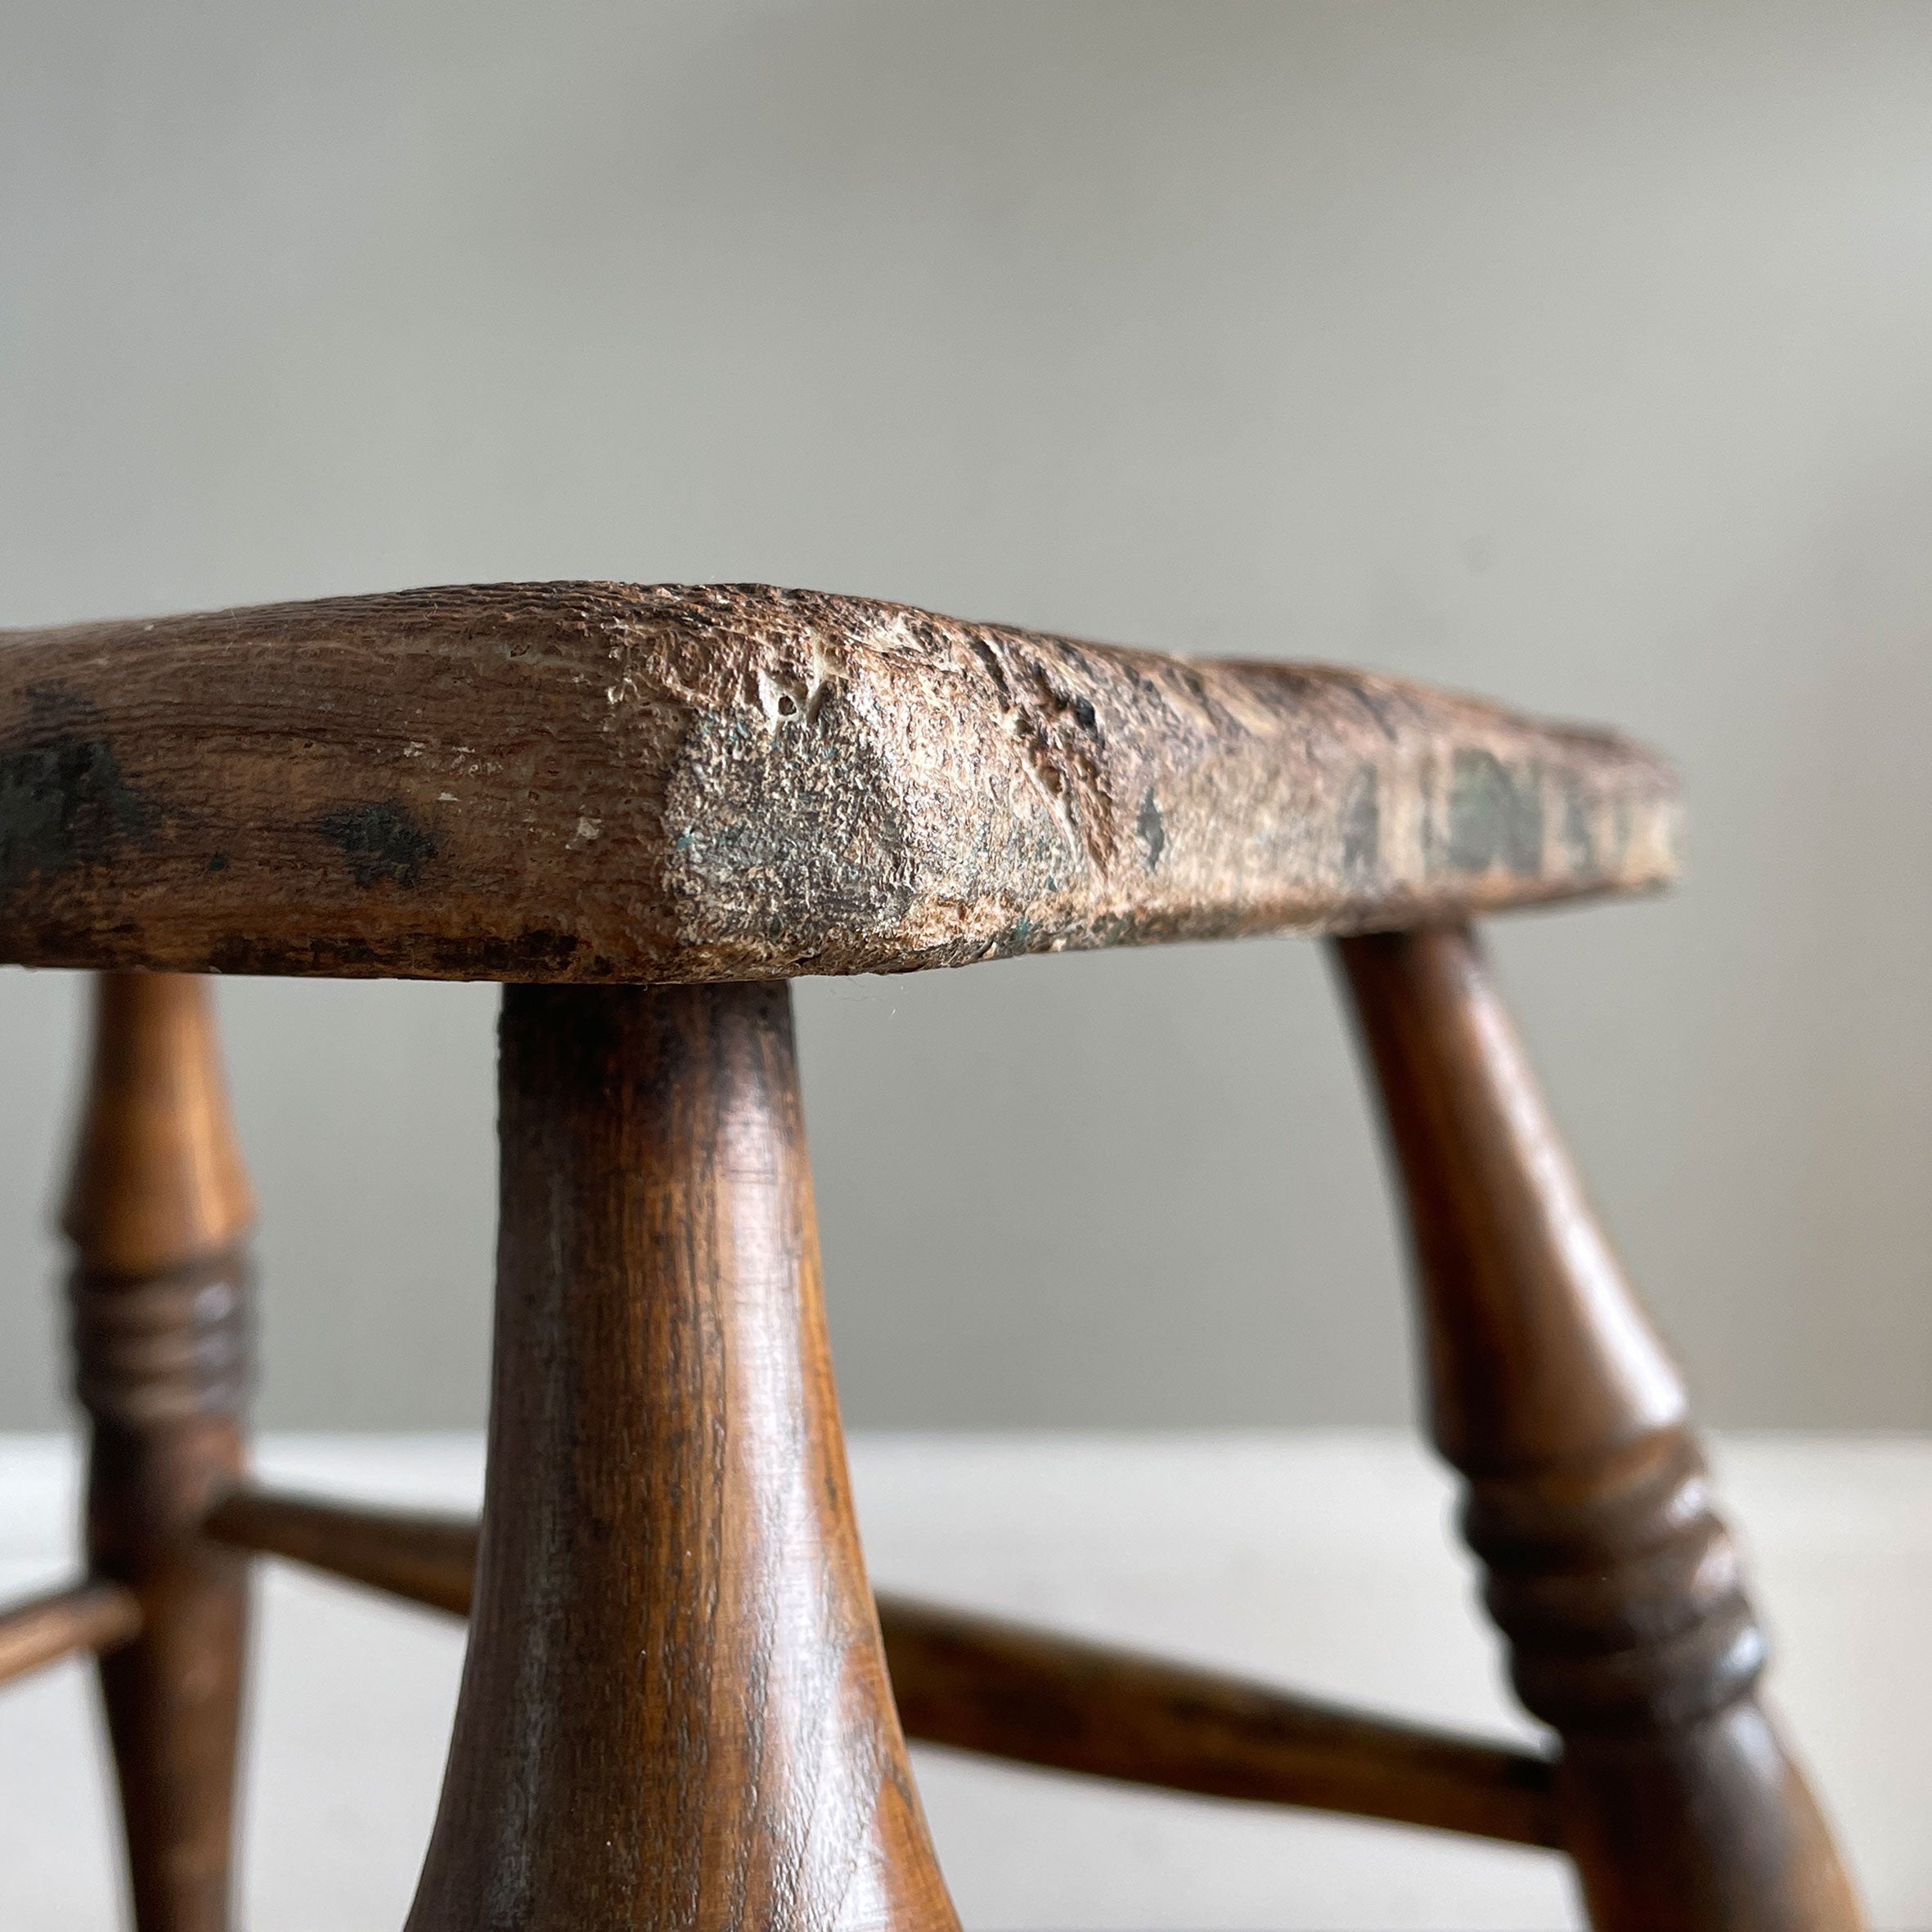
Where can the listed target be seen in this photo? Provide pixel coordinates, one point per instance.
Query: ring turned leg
(674, 1710)
(158, 1210)
(1618, 1588)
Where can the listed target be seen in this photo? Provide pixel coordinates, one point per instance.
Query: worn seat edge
(605, 783)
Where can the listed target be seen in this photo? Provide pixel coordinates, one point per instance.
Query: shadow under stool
(644, 810)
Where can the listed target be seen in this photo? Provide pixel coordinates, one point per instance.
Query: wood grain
(1031, 1696)
(158, 1211)
(601, 782)
(674, 1711)
(85, 1616)
(1617, 1587)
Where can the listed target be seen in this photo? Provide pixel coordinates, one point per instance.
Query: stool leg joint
(1616, 1585)
(158, 1210)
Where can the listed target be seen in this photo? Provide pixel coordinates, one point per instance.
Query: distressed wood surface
(86, 1616)
(980, 1684)
(158, 1211)
(1618, 1590)
(674, 1709)
(600, 782)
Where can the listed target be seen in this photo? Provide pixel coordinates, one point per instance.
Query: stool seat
(610, 783)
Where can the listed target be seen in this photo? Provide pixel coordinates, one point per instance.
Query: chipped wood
(600, 782)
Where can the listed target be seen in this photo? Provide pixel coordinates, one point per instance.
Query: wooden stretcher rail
(85, 1616)
(978, 1684)
(419, 1555)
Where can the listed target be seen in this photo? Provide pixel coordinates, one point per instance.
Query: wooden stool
(644, 810)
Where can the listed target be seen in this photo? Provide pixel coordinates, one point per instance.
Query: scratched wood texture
(600, 782)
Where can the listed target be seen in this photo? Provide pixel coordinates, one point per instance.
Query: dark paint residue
(381, 840)
(1152, 828)
(64, 801)
(1361, 828)
(1495, 816)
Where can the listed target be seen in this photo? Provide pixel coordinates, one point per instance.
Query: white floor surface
(1324, 1561)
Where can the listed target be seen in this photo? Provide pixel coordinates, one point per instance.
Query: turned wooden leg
(158, 1210)
(1617, 1587)
(674, 1711)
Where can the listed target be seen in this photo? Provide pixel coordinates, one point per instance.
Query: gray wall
(1578, 355)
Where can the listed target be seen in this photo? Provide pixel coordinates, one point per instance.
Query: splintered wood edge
(600, 782)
